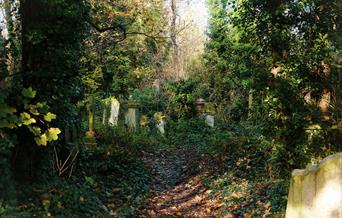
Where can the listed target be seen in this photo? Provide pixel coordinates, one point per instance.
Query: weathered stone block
(317, 190)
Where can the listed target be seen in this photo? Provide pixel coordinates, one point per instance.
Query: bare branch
(116, 27)
(122, 30)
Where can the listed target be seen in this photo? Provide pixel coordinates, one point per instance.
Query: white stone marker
(161, 127)
(160, 122)
(114, 112)
(209, 120)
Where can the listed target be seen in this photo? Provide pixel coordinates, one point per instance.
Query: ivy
(33, 116)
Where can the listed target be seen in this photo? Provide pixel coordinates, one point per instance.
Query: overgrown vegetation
(270, 74)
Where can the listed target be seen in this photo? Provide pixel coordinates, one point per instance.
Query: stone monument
(316, 192)
(131, 115)
(114, 112)
(160, 122)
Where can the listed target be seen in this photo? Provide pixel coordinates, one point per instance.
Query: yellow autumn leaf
(209, 191)
(268, 205)
(52, 133)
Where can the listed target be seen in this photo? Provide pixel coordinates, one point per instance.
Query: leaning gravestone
(316, 192)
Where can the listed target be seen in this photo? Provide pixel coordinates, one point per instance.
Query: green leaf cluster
(34, 116)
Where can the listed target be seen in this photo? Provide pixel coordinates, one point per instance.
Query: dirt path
(177, 190)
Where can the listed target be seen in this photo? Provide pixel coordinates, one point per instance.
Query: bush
(119, 139)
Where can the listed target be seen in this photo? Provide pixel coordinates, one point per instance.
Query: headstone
(131, 116)
(156, 85)
(71, 134)
(209, 120)
(316, 191)
(114, 112)
(160, 122)
(161, 127)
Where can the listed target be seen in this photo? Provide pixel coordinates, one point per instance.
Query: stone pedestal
(200, 104)
(90, 140)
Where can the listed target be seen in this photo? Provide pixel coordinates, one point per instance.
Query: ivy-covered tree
(51, 32)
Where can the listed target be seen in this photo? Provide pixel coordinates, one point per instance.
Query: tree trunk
(50, 38)
(173, 36)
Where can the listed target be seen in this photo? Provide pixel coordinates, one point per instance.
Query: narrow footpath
(177, 190)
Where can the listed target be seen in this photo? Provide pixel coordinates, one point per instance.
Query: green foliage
(192, 133)
(149, 101)
(51, 66)
(277, 52)
(242, 196)
(270, 72)
(104, 184)
(112, 68)
(181, 98)
(119, 139)
(33, 116)
(7, 195)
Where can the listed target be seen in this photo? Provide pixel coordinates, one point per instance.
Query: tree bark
(173, 36)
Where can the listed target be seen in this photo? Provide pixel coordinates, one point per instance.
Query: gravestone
(131, 116)
(200, 109)
(250, 102)
(209, 120)
(114, 112)
(316, 192)
(156, 85)
(160, 122)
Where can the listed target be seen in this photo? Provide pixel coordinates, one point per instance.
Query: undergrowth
(103, 185)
